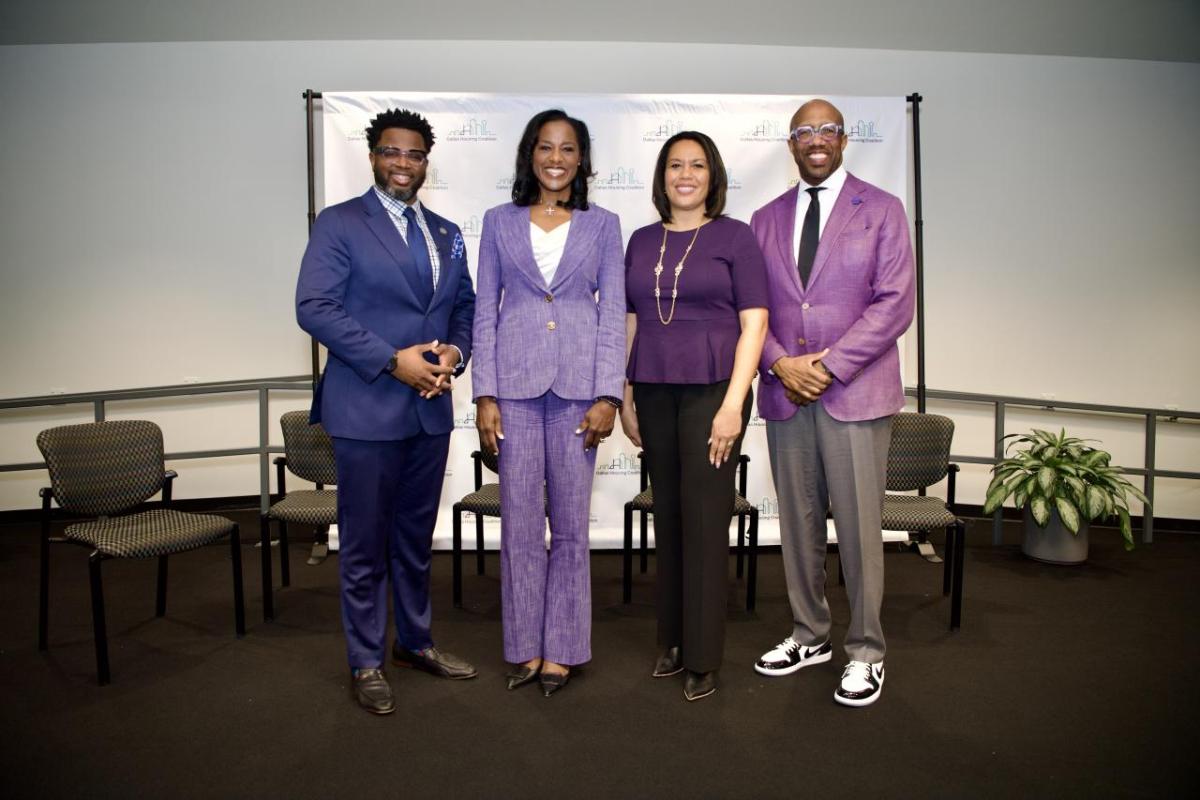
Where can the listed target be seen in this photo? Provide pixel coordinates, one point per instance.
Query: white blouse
(548, 248)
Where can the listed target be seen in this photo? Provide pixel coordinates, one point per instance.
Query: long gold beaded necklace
(658, 268)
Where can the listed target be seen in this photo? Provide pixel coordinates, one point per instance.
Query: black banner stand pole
(919, 244)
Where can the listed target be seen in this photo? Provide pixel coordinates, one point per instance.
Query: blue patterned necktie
(420, 253)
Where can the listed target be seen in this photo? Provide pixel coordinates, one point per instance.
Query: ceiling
(1158, 30)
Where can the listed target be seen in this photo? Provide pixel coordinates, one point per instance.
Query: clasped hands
(428, 378)
(596, 426)
(803, 377)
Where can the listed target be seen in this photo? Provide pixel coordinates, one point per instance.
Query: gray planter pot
(1054, 544)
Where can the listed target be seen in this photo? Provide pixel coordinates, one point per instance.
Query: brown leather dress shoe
(372, 691)
(435, 662)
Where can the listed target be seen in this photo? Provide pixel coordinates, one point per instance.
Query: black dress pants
(693, 505)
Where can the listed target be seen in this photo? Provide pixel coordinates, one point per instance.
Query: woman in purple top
(696, 297)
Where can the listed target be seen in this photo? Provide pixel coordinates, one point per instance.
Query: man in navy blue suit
(384, 286)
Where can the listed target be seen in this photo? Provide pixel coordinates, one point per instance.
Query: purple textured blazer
(530, 338)
(858, 302)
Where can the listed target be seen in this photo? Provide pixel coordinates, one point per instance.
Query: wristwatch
(612, 401)
(391, 365)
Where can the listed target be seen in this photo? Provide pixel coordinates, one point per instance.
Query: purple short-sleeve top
(724, 273)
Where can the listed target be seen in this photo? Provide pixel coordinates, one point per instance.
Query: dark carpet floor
(1062, 682)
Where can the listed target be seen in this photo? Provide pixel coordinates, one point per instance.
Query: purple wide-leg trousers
(546, 596)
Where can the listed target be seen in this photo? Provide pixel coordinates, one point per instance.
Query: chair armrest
(951, 471)
(168, 485)
(281, 476)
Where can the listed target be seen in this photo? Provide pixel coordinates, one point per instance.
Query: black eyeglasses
(805, 133)
(393, 153)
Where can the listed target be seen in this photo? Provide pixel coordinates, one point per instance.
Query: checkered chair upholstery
(308, 454)
(919, 457)
(643, 504)
(483, 502)
(105, 470)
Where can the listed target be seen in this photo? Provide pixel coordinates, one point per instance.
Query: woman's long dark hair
(526, 189)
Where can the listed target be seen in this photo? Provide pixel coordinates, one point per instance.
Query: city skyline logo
(433, 181)
(864, 131)
(665, 129)
(506, 184)
(755, 420)
(732, 183)
(621, 464)
(621, 178)
(471, 227)
(471, 130)
(465, 422)
(768, 508)
(766, 130)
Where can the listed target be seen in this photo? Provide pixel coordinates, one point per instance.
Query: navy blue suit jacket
(355, 296)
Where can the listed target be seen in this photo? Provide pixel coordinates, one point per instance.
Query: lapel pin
(442, 231)
(856, 201)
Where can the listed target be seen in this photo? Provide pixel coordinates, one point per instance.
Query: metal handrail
(264, 386)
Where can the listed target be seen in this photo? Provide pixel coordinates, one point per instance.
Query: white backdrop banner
(471, 170)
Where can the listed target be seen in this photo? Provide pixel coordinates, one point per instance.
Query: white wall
(154, 211)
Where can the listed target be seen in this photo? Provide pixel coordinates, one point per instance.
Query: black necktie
(810, 235)
(420, 254)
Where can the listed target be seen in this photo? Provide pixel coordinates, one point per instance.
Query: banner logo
(621, 464)
(506, 184)
(433, 181)
(665, 129)
(765, 131)
(623, 178)
(465, 422)
(471, 130)
(471, 227)
(864, 131)
(768, 508)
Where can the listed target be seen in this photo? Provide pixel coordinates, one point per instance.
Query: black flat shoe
(372, 691)
(698, 685)
(521, 675)
(553, 681)
(668, 664)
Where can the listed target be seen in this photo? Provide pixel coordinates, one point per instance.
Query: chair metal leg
(627, 556)
(160, 600)
(752, 573)
(239, 599)
(285, 565)
(98, 630)
(948, 563)
(44, 594)
(642, 554)
(956, 595)
(268, 593)
(478, 544)
(456, 556)
(741, 546)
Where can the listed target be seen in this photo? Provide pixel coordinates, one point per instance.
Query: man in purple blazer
(384, 285)
(840, 270)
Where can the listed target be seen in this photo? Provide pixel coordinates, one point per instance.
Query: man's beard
(396, 193)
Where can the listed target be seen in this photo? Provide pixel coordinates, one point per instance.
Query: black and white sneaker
(789, 656)
(861, 685)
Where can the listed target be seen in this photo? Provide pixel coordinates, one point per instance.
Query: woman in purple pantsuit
(697, 295)
(547, 377)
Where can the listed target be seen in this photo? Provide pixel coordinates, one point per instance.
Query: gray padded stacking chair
(308, 454)
(743, 509)
(920, 457)
(483, 502)
(102, 469)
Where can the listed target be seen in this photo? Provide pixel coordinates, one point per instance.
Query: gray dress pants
(819, 462)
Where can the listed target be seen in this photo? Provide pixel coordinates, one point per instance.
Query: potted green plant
(1062, 483)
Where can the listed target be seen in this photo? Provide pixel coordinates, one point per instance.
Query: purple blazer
(858, 302)
(530, 338)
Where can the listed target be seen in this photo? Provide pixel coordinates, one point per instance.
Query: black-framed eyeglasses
(393, 153)
(805, 133)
